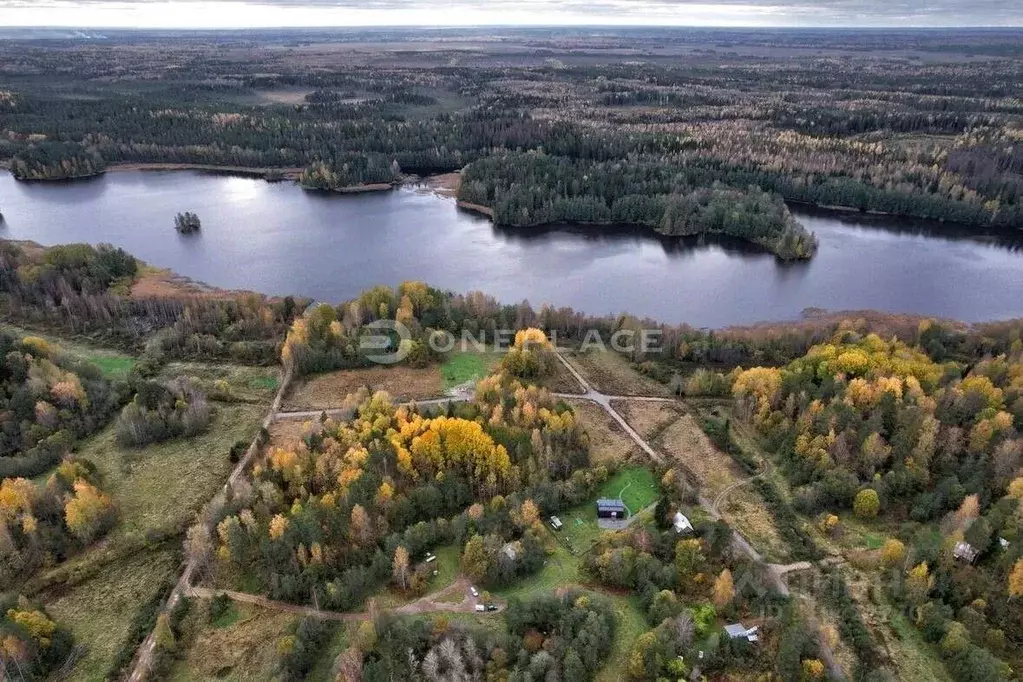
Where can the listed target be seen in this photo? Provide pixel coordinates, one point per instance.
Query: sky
(296, 13)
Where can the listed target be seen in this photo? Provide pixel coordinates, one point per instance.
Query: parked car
(474, 591)
(481, 607)
(491, 607)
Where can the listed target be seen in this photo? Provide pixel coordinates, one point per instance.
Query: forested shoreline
(866, 131)
(526, 190)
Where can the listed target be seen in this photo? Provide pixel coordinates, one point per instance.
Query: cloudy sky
(266, 13)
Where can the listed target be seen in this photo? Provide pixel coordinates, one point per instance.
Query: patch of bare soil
(325, 391)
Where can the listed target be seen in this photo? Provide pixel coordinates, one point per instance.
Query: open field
(561, 570)
(100, 609)
(610, 373)
(608, 442)
(163, 485)
(634, 485)
(323, 391)
(911, 657)
(245, 383)
(244, 647)
(649, 419)
(631, 624)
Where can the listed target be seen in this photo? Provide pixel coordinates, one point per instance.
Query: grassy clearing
(246, 384)
(580, 531)
(561, 570)
(100, 609)
(447, 565)
(914, 658)
(610, 373)
(634, 485)
(463, 367)
(287, 433)
(243, 650)
(329, 390)
(163, 485)
(560, 380)
(631, 624)
(608, 442)
(114, 364)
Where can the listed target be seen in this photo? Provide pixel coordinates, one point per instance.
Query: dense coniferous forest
(920, 123)
(535, 189)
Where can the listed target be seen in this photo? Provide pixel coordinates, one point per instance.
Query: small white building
(556, 523)
(740, 631)
(682, 523)
(966, 552)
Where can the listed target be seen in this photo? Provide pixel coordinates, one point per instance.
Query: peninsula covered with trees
(530, 189)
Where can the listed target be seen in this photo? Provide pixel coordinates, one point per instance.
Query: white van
(481, 608)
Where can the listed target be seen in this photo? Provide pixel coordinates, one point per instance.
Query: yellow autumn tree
(813, 669)
(918, 583)
(88, 512)
(893, 553)
(1016, 579)
(724, 589)
(400, 568)
(39, 627)
(278, 526)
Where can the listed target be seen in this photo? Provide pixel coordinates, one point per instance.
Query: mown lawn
(636, 487)
(561, 570)
(461, 367)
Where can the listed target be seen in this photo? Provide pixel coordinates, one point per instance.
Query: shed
(740, 631)
(608, 508)
(682, 523)
(966, 552)
(556, 523)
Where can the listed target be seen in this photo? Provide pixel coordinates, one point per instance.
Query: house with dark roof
(608, 508)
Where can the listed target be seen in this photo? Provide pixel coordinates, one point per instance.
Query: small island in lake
(187, 222)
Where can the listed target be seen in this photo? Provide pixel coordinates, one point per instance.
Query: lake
(279, 239)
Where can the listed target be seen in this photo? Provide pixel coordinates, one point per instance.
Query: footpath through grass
(634, 485)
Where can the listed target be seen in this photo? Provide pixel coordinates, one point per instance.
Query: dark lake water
(278, 239)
